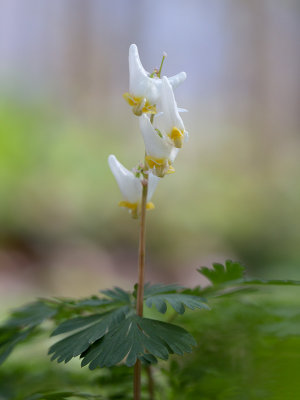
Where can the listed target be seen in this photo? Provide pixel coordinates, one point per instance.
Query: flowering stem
(140, 292)
(142, 246)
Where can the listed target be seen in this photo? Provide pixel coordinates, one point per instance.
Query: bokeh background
(235, 194)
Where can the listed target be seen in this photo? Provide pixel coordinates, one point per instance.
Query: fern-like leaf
(177, 300)
(88, 330)
(220, 274)
(21, 325)
(138, 338)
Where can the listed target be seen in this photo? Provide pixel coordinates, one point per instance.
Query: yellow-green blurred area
(236, 190)
(235, 194)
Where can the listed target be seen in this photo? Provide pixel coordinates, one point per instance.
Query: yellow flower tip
(155, 162)
(127, 204)
(150, 206)
(160, 166)
(177, 136)
(149, 109)
(171, 170)
(129, 99)
(139, 105)
(132, 207)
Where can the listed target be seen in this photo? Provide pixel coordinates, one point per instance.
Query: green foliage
(229, 279)
(89, 329)
(31, 315)
(238, 338)
(107, 338)
(115, 383)
(159, 294)
(275, 282)
(242, 357)
(221, 274)
(29, 372)
(138, 338)
(117, 294)
(9, 338)
(61, 396)
(151, 290)
(22, 325)
(177, 300)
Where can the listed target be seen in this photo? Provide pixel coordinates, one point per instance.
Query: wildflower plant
(111, 329)
(152, 100)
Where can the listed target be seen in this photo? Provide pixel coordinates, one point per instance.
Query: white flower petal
(137, 74)
(176, 80)
(155, 145)
(173, 154)
(170, 117)
(136, 70)
(130, 186)
(152, 183)
(141, 85)
(186, 136)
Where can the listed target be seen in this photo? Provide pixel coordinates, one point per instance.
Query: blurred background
(235, 194)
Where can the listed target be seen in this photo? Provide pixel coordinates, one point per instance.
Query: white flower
(160, 152)
(130, 186)
(144, 91)
(169, 122)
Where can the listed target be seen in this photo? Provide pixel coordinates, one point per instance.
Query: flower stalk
(141, 274)
(142, 249)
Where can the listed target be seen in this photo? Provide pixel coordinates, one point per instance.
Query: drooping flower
(169, 122)
(160, 152)
(130, 185)
(144, 90)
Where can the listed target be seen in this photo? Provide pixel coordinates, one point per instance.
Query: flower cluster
(152, 100)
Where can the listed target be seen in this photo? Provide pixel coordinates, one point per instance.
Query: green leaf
(117, 294)
(138, 338)
(61, 396)
(78, 323)
(280, 282)
(22, 325)
(78, 306)
(177, 300)
(9, 339)
(94, 302)
(221, 274)
(51, 396)
(31, 315)
(150, 290)
(88, 330)
(233, 273)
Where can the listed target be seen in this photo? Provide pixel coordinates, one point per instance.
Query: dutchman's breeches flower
(130, 185)
(160, 152)
(163, 133)
(145, 88)
(169, 122)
